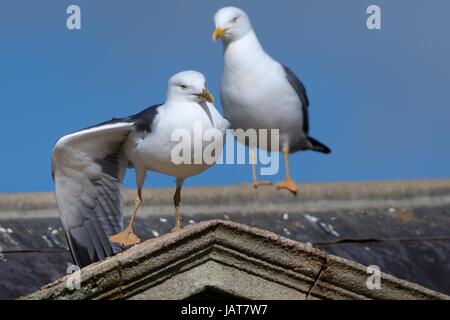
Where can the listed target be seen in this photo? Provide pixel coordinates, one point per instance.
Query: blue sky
(379, 99)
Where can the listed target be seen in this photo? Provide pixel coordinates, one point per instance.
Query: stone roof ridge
(229, 257)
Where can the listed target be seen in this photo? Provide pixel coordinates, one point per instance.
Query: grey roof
(231, 258)
(403, 227)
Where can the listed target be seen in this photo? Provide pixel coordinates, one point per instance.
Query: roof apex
(238, 260)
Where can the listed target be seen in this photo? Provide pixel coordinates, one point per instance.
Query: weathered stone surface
(242, 261)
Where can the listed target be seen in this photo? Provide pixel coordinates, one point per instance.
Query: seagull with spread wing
(88, 166)
(258, 92)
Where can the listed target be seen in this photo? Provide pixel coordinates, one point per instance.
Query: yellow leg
(176, 202)
(288, 183)
(127, 237)
(256, 183)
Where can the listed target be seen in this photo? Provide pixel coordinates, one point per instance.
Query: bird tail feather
(318, 146)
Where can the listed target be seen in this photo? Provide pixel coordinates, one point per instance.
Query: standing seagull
(88, 166)
(257, 92)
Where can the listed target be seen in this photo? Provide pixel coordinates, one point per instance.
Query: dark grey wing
(143, 120)
(88, 167)
(299, 88)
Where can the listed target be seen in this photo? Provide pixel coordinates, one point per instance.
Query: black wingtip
(318, 146)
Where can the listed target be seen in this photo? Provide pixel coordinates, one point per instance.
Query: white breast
(154, 151)
(256, 94)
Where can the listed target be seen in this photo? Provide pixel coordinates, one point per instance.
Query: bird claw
(257, 184)
(288, 185)
(176, 228)
(125, 238)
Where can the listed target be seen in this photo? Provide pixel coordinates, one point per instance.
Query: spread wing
(88, 167)
(299, 88)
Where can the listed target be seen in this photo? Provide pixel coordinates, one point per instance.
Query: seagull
(88, 166)
(258, 92)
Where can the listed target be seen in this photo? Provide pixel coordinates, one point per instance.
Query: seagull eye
(235, 19)
(184, 87)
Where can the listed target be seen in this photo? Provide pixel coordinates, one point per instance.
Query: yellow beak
(206, 96)
(218, 33)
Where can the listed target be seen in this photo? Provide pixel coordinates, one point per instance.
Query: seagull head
(231, 24)
(190, 86)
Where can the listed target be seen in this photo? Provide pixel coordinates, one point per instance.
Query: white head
(190, 86)
(231, 24)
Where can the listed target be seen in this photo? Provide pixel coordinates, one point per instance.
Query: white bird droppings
(334, 232)
(6, 235)
(327, 227)
(311, 219)
(2, 256)
(285, 216)
(155, 233)
(163, 220)
(49, 243)
(286, 230)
